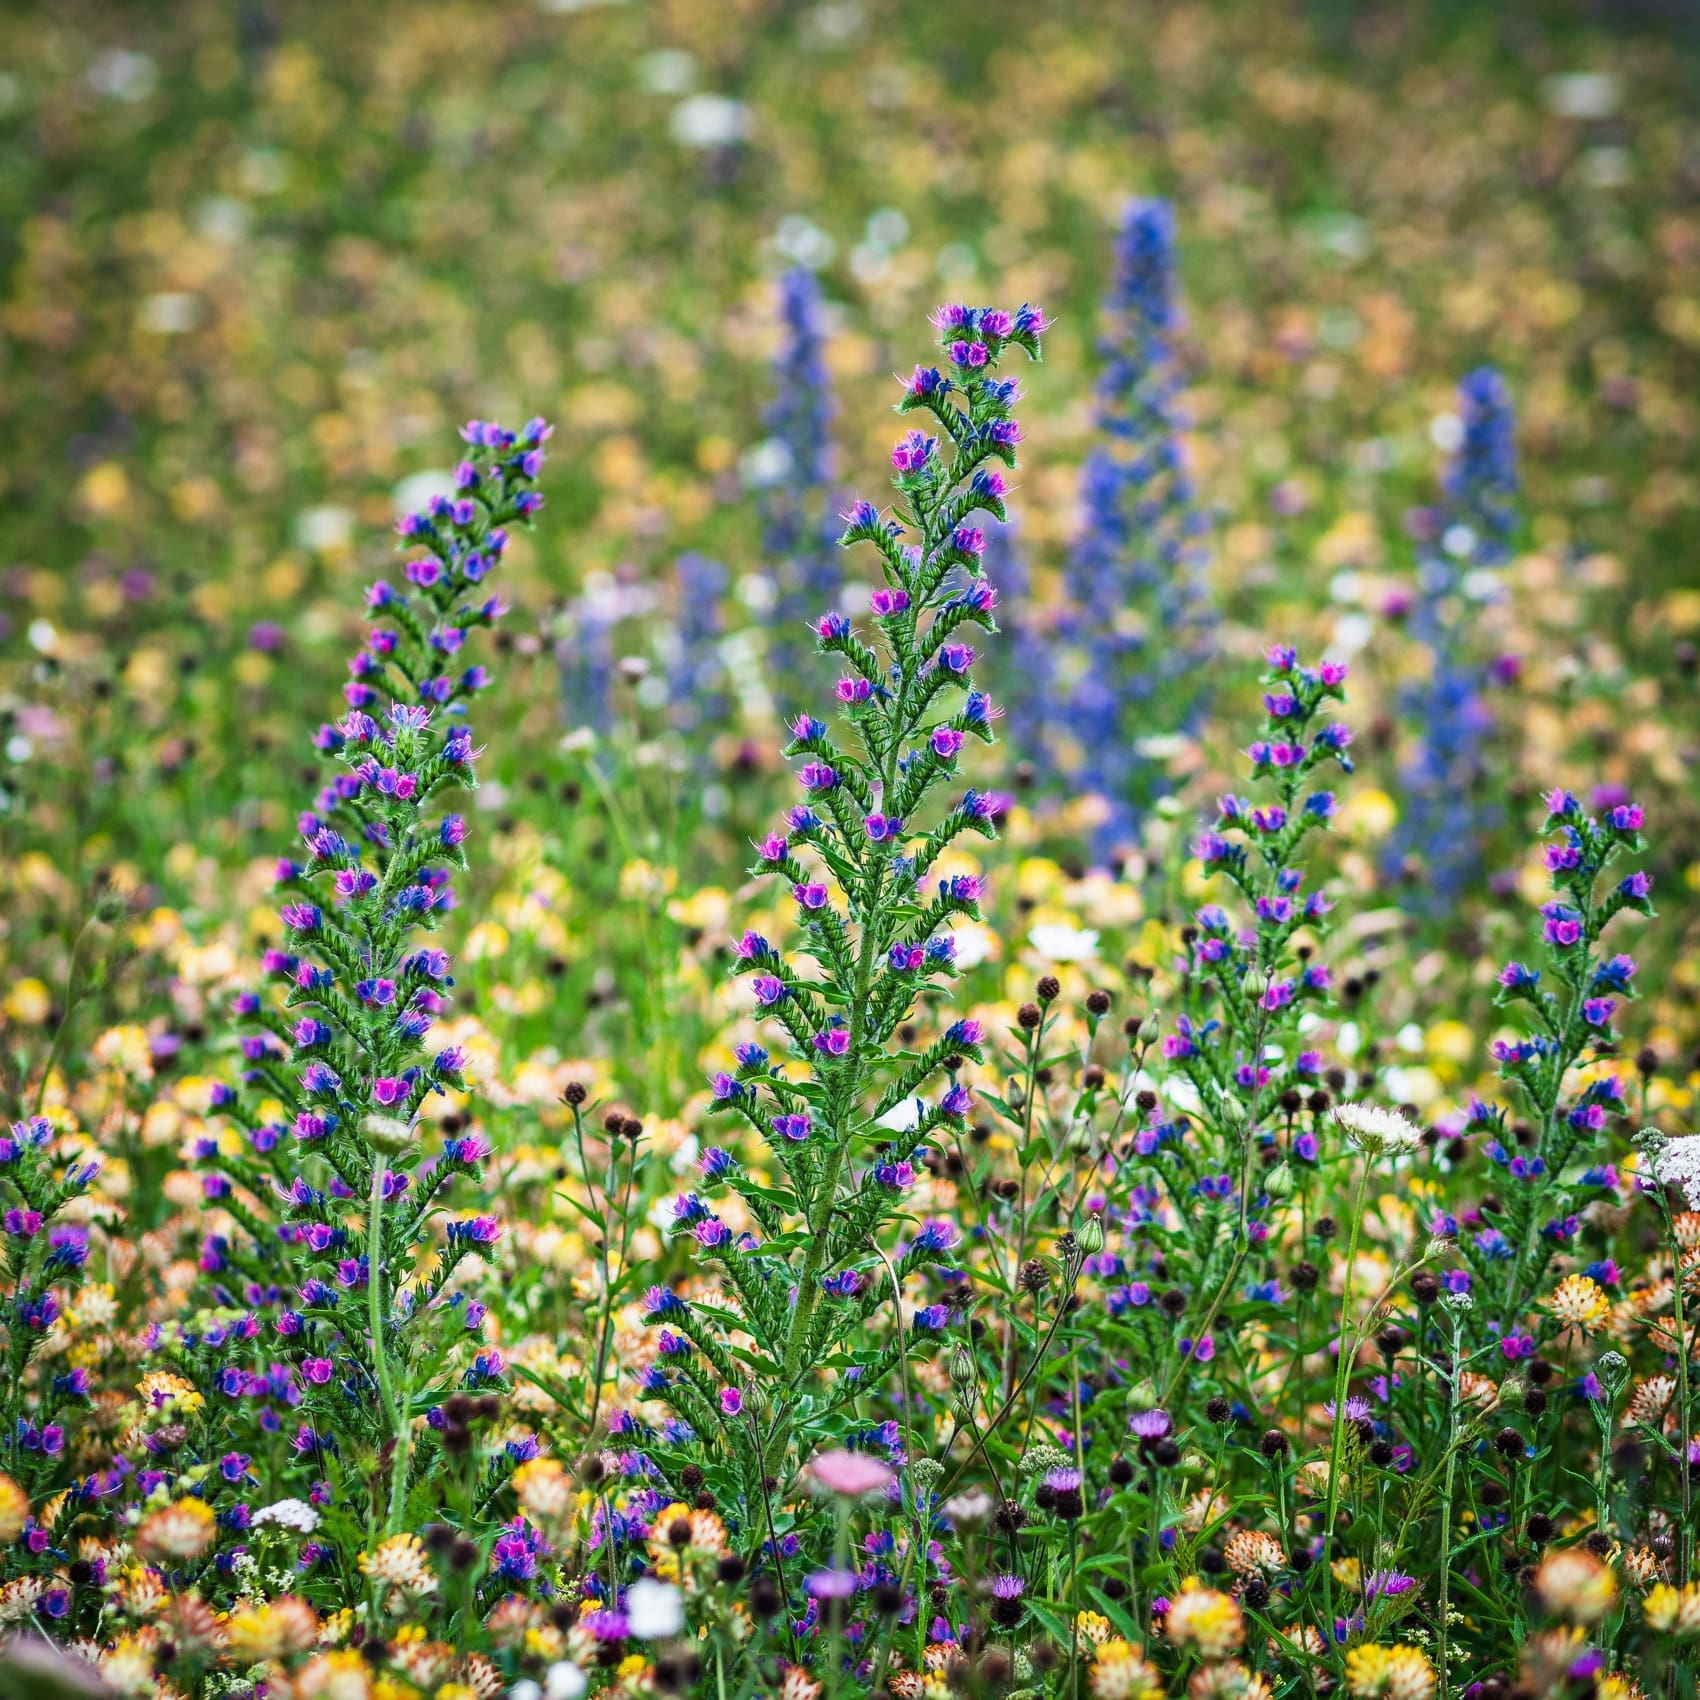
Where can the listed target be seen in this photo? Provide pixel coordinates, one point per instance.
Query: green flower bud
(1092, 1235)
(926, 1473)
(962, 1376)
(1612, 1369)
(389, 1134)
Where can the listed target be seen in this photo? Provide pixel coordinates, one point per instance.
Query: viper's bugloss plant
(332, 1354)
(800, 535)
(43, 1252)
(1562, 1088)
(585, 655)
(846, 1120)
(696, 674)
(1446, 811)
(1253, 976)
(1139, 621)
(1025, 663)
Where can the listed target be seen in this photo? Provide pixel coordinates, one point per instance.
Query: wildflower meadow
(849, 851)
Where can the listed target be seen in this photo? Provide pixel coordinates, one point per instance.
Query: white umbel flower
(1374, 1130)
(1679, 1165)
(294, 1514)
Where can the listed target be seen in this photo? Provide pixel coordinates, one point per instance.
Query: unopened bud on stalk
(1254, 984)
(1149, 1028)
(1092, 1236)
(961, 1368)
(1612, 1370)
(927, 1474)
(1068, 1249)
(388, 1134)
(1279, 1182)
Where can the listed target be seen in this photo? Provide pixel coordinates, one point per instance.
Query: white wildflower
(1374, 1130)
(1679, 1165)
(565, 1681)
(294, 1514)
(654, 1610)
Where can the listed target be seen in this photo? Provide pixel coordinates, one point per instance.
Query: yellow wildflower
(1389, 1673)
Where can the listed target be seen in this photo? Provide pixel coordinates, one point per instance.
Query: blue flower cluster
(1139, 622)
(1447, 817)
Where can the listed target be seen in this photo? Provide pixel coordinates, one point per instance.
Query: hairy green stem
(400, 1427)
(1342, 1376)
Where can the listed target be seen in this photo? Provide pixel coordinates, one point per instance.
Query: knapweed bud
(1068, 1249)
(389, 1134)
